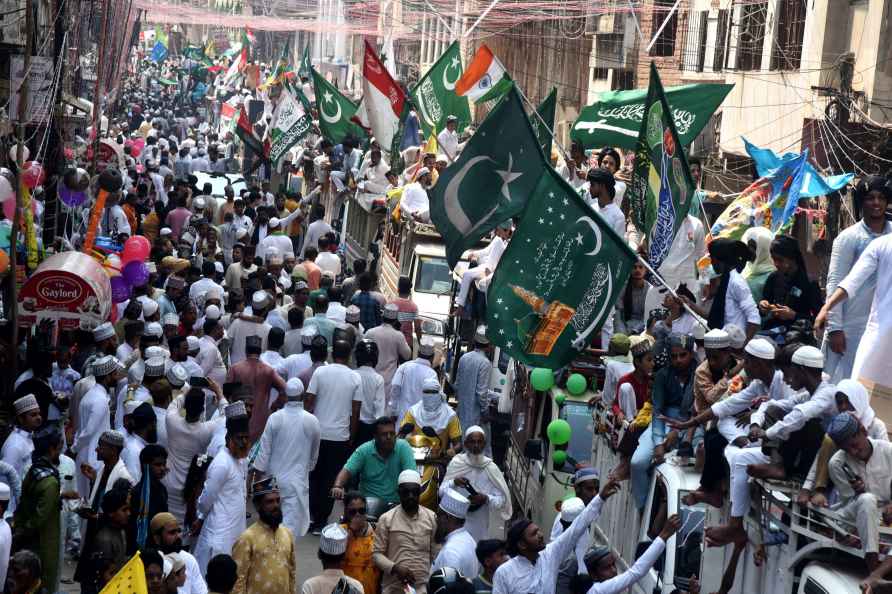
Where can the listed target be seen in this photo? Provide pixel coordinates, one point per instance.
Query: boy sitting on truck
(487, 260)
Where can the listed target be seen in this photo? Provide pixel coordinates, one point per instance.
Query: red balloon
(9, 209)
(136, 249)
(139, 142)
(33, 174)
(135, 151)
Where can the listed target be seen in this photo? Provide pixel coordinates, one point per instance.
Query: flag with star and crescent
(435, 97)
(335, 111)
(491, 180)
(558, 280)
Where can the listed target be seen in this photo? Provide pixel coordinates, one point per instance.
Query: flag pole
(697, 317)
(539, 117)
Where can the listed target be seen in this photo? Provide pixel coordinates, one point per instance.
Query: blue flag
(813, 183)
(159, 52)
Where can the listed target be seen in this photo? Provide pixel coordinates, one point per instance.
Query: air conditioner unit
(605, 23)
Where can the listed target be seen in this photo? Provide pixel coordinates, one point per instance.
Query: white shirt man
(458, 551)
(93, 420)
(405, 389)
(210, 359)
(415, 200)
(392, 345)
(289, 448)
(740, 307)
(329, 262)
(315, 230)
(447, 140)
(374, 401)
(335, 388)
(222, 506)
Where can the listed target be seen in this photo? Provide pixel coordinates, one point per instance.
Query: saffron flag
(768, 202)
(130, 579)
(661, 188)
(384, 99)
(484, 72)
(558, 279)
(491, 181)
(435, 95)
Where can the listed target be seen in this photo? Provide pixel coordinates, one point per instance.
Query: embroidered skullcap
(177, 282)
(641, 345)
(455, 504)
(391, 312)
(177, 376)
(265, 486)
(571, 508)
(165, 231)
(157, 351)
(716, 339)
(235, 410)
(154, 329)
(103, 331)
(25, 404)
(105, 365)
(480, 335)
(192, 342)
(736, 335)
(842, 428)
(259, 299)
(586, 473)
(149, 308)
(421, 172)
(170, 319)
(273, 223)
(426, 347)
(409, 477)
(333, 540)
(352, 313)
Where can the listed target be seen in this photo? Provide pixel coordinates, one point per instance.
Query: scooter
(427, 449)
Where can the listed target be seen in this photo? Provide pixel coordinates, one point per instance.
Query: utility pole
(97, 98)
(20, 189)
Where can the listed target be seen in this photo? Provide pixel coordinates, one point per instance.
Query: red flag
(384, 98)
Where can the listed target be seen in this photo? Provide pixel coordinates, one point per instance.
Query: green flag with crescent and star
(290, 123)
(558, 280)
(616, 118)
(305, 69)
(491, 180)
(335, 111)
(544, 123)
(661, 189)
(435, 97)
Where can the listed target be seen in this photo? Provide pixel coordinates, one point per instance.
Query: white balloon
(5, 189)
(14, 152)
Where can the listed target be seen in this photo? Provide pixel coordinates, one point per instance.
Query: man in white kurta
(487, 262)
(471, 468)
(222, 504)
(447, 141)
(851, 317)
(18, 446)
(93, 418)
(289, 448)
(459, 546)
(534, 565)
(405, 389)
(871, 364)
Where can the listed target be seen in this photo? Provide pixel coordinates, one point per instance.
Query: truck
(804, 554)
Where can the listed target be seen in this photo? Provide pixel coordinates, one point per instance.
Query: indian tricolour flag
(480, 76)
(383, 98)
(227, 118)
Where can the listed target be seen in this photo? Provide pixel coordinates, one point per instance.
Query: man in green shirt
(377, 463)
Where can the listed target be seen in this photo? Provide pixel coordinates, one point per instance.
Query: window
(665, 43)
(433, 276)
(579, 416)
(695, 43)
(623, 80)
(786, 53)
(600, 73)
(688, 540)
(813, 587)
(723, 29)
(751, 35)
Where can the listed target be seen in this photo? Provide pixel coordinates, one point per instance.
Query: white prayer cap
(218, 266)
(430, 385)
(170, 319)
(716, 339)
(391, 312)
(153, 329)
(480, 335)
(474, 429)
(177, 376)
(409, 477)
(259, 299)
(761, 348)
(25, 404)
(214, 292)
(809, 356)
(333, 540)
(199, 203)
(352, 314)
(455, 504)
(308, 334)
(192, 343)
(156, 351)
(130, 406)
(149, 307)
(212, 312)
(235, 410)
(165, 231)
(422, 171)
(103, 331)
(273, 223)
(4, 492)
(699, 331)
(571, 508)
(294, 388)
(426, 347)
(736, 335)
(105, 366)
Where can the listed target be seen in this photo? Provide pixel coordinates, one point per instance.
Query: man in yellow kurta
(265, 551)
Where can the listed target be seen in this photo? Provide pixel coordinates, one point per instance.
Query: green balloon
(576, 384)
(558, 432)
(559, 457)
(560, 398)
(542, 379)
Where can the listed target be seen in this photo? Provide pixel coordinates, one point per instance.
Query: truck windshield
(688, 540)
(432, 276)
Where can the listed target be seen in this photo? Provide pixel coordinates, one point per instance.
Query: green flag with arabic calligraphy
(435, 97)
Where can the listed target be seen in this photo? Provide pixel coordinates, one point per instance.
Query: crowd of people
(258, 384)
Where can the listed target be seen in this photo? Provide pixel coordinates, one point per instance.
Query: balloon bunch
(128, 269)
(136, 145)
(73, 189)
(8, 193)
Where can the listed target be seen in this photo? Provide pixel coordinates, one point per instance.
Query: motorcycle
(427, 448)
